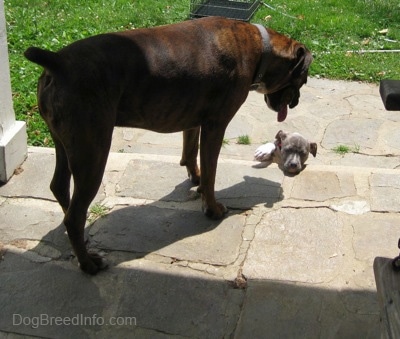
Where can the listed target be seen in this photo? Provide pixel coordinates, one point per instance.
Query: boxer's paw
(94, 264)
(194, 178)
(264, 152)
(193, 173)
(216, 213)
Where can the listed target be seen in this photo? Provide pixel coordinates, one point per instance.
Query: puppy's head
(294, 149)
(287, 73)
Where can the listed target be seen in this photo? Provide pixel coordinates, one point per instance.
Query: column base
(13, 150)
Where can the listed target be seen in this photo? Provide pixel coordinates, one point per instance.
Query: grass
(97, 211)
(344, 149)
(53, 24)
(243, 140)
(341, 149)
(329, 29)
(225, 142)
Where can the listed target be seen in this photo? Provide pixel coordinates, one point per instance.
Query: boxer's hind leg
(189, 154)
(60, 184)
(87, 151)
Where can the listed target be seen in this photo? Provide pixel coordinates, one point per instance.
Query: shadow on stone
(174, 226)
(161, 299)
(54, 300)
(177, 230)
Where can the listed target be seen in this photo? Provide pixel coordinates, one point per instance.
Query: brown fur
(190, 77)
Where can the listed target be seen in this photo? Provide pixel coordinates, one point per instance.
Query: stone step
(293, 254)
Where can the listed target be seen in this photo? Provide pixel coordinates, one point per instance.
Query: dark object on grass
(390, 93)
(238, 10)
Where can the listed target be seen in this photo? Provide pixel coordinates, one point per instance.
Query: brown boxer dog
(191, 76)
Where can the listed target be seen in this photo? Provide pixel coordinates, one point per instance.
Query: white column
(13, 140)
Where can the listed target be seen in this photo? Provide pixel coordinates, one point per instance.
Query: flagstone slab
(142, 299)
(302, 245)
(385, 189)
(359, 133)
(240, 185)
(28, 219)
(181, 234)
(292, 310)
(322, 186)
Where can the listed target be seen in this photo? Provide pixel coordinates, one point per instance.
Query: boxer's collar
(262, 68)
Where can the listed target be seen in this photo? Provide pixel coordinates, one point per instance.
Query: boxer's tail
(51, 61)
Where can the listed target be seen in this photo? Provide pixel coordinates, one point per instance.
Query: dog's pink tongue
(282, 113)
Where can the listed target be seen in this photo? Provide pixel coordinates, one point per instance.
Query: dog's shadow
(174, 226)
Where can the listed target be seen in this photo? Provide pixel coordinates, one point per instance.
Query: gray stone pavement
(292, 259)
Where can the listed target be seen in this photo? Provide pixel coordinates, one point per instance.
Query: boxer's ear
(302, 61)
(313, 149)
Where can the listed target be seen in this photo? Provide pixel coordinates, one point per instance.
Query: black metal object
(396, 261)
(238, 10)
(390, 94)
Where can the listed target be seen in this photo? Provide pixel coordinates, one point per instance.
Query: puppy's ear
(281, 135)
(313, 149)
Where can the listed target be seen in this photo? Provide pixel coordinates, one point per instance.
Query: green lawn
(329, 28)
(332, 28)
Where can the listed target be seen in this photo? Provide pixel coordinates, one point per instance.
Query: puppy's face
(294, 150)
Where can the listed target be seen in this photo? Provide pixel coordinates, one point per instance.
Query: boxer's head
(288, 64)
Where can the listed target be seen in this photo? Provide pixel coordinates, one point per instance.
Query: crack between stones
(352, 244)
(23, 334)
(333, 210)
(246, 243)
(309, 207)
(164, 332)
(4, 201)
(29, 197)
(184, 263)
(241, 280)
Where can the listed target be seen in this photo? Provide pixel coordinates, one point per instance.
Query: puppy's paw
(264, 152)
